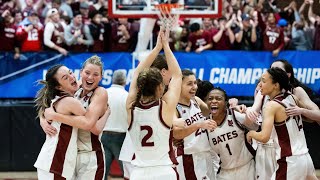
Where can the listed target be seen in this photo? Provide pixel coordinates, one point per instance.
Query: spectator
(315, 20)
(29, 6)
(54, 33)
(207, 24)
(17, 18)
(115, 129)
(124, 35)
(64, 8)
(273, 38)
(8, 34)
(198, 40)
(97, 30)
(77, 35)
(299, 41)
(30, 33)
(223, 38)
(246, 33)
(182, 39)
(286, 29)
(84, 10)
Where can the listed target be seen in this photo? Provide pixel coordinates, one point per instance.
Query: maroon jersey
(119, 43)
(224, 43)
(199, 40)
(7, 36)
(273, 38)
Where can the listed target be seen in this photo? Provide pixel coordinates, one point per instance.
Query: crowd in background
(84, 26)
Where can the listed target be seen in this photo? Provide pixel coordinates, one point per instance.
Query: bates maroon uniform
(273, 38)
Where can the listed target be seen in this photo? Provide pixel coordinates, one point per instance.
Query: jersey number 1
(144, 141)
(228, 147)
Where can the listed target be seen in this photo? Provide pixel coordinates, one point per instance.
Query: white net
(167, 19)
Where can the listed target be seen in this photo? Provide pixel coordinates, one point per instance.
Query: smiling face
(67, 81)
(91, 75)
(189, 87)
(216, 101)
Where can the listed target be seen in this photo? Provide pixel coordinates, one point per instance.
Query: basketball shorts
(196, 166)
(295, 168)
(265, 161)
(89, 166)
(154, 173)
(245, 172)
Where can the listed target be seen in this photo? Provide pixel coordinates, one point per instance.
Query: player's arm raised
(171, 97)
(142, 65)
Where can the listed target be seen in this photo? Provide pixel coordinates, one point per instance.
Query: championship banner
(235, 71)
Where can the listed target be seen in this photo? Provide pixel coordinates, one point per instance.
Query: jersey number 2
(144, 141)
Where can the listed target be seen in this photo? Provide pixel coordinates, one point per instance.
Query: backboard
(146, 8)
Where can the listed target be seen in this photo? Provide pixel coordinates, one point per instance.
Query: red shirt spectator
(30, 33)
(199, 39)
(223, 38)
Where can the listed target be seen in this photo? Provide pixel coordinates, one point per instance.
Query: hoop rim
(112, 12)
(163, 6)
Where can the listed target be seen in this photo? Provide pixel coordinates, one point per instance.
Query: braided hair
(148, 81)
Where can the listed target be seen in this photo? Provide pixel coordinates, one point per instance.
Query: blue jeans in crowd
(112, 143)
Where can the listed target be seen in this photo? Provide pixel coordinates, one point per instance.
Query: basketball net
(168, 19)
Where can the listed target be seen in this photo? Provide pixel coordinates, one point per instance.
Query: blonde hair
(95, 60)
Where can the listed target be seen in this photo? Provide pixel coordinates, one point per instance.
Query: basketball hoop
(167, 18)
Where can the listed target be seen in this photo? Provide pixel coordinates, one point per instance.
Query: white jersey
(90, 159)
(59, 152)
(126, 153)
(192, 143)
(86, 140)
(289, 137)
(151, 137)
(229, 141)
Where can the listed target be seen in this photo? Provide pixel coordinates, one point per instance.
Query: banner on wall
(235, 71)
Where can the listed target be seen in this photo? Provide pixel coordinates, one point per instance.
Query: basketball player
(265, 159)
(58, 154)
(90, 158)
(311, 111)
(193, 156)
(127, 152)
(292, 156)
(228, 139)
(150, 116)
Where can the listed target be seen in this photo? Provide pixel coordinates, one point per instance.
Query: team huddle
(179, 127)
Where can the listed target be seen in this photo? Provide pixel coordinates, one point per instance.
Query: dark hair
(293, 81)
(48, 91)
(279, 76)
(160, 62)
(204, 87)
(223, 91)
(147, 82)
(194, 27)
(186, 72)
(57, 2)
